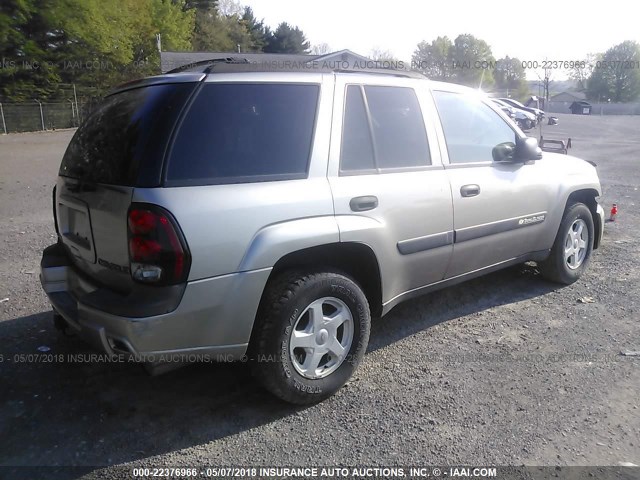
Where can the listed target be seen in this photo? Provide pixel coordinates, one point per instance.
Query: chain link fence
(36, 116)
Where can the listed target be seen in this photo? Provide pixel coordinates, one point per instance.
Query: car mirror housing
(504, 152)
(527, 149)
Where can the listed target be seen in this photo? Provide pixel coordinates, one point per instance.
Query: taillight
(158, 253)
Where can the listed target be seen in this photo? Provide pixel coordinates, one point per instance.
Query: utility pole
(41, 115)
(4, 125)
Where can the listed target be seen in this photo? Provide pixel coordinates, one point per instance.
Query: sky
(531, 31)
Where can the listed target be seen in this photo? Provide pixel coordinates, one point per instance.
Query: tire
(287, 343)
(568, 266)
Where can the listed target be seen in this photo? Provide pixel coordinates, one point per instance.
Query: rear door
(389, 188)
(499, 207)
(120, 146)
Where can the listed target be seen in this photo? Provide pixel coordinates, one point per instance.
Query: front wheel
(311, 334)
(572, 248)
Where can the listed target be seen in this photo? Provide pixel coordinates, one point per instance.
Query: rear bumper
(212, 322)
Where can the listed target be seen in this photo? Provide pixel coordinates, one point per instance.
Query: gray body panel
(423, 232)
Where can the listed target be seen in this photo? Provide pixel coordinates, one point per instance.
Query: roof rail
(236, 65)
(208, 64)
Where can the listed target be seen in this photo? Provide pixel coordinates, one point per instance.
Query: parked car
(524, 119)
(507, 109)
(536, 111)
(228, 214)
(580, 107)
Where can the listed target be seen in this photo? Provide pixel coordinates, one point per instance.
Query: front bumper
(212, 321)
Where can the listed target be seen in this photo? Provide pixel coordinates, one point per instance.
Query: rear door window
(398, 127)
(383, 129)
(236, 133)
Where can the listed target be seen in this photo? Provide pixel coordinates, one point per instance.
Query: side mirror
(527, 149)
(504, 152)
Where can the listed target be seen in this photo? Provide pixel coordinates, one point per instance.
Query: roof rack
(236, 65)
(208, 64)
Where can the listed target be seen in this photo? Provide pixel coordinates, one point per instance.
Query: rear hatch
(120, 146)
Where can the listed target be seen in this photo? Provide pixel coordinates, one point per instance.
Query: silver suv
(228, 214)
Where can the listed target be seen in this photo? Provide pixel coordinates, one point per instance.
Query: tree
(287, 39)
(583, 69)
(321, 49)
(258, 32)
(509, 75)
(434, 59)
(380, 55)
(616, 75)
(472, 61)
(174, 23)
(217, 32)
(229, 8)
(26, 72)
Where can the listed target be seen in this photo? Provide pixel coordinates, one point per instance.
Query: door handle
(470, 190)
(364, 203)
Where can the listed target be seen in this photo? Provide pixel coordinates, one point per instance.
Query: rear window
(237, 133)
(124, 138)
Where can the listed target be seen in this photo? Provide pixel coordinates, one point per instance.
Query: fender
(277, 240)
(574, 177)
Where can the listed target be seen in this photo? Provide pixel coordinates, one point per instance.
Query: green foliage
(287, 39)
(48, 45)
(616, 76)
(258, 32)
(467, 60)
(25, 72)
(473, 61)
(435, 59)
(510, 75)
(219, 33)
(174, 23)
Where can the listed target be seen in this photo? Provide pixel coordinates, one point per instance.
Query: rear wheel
(311, 335)
(572, 249)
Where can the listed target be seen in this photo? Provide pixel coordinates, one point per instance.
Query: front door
(500, 207)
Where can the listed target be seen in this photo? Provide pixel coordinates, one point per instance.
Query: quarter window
(237, 133)
(471, 128)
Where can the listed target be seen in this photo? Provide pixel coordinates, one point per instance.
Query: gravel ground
(502, 370)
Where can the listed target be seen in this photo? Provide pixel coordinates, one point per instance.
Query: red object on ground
(614, 212)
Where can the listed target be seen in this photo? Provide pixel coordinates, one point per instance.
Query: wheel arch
(356, 260)
(588, 197)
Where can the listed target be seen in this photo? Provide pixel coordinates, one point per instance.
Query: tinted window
(244, 132)
(471, 128)
(357, 149)
(124, 134)
(398, 127)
